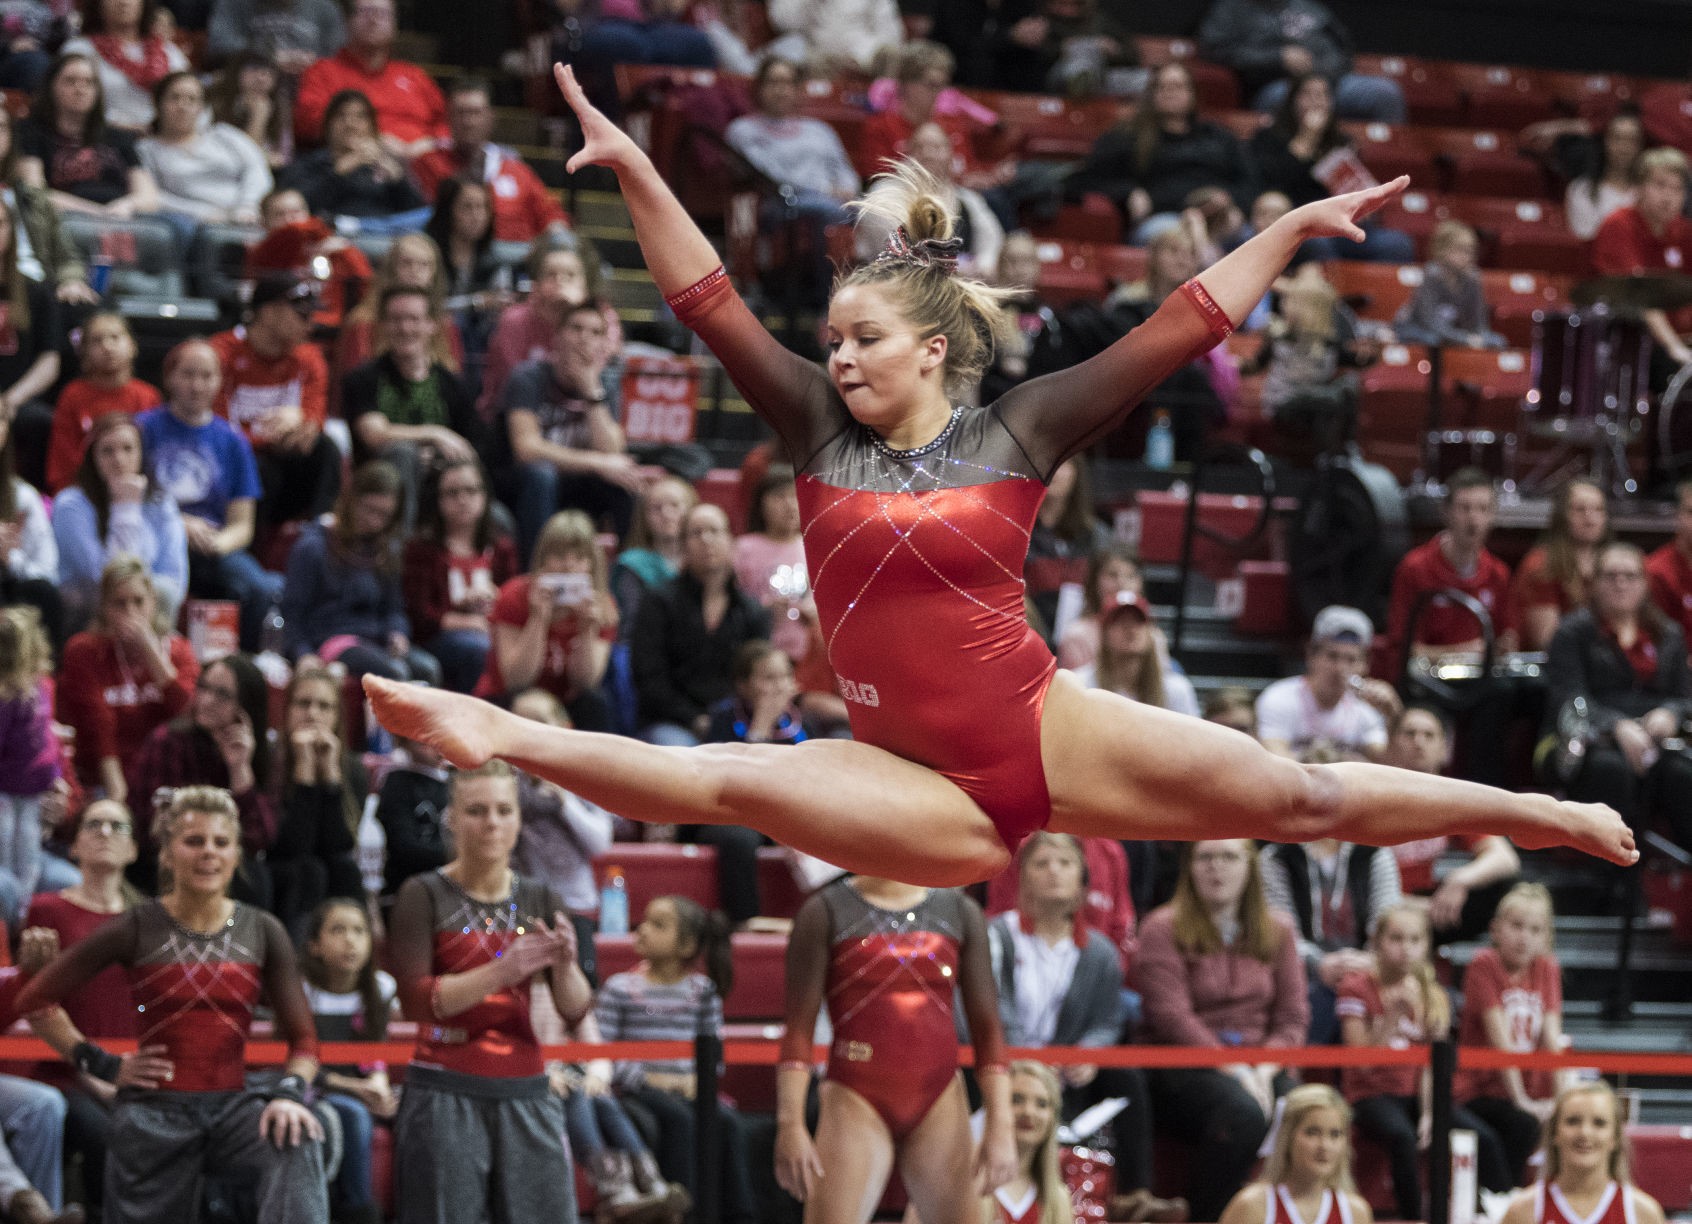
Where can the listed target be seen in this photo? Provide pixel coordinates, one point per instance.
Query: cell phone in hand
(568, 590)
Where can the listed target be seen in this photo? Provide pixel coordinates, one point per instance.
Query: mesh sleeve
(792, 395)
(979, 992)
(1060, 414)
(807, 978)
(286, 993)
(411, 951)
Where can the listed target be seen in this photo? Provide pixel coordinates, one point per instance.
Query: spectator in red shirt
(295, 240)
(552, 629)
(410, 110)
(108, 384)
(1628, 662)
(1669, 568)
(1462, 901)
(122, 677)
(522, 206)
(1457, 559)
(1667, 112)
(1556, 575)
(275, 390)
(1652, 236)
(1513, 1000)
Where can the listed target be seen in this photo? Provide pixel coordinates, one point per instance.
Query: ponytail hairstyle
(919, 272)
(312, 968)
(1436, 1004)
(706, 933)
(212, 801)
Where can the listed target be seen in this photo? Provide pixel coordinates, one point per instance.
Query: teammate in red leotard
(1307, 1178)
(1036, 1192)
(916, 516)
(1587, 1178)
(888, 958)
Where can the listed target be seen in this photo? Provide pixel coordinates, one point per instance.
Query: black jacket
(1249, 35)
(1207, 155)
(1584, 661)
(681, 669)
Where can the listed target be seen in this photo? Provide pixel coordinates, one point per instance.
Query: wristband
(102, 1064)
(289, 1088)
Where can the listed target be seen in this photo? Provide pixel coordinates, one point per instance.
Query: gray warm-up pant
(163, 1143)
(469, 1148)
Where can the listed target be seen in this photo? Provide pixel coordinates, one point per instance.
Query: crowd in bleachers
(405, 457)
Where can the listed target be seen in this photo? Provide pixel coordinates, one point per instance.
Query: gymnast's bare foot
(1591, 827)
(453, 724)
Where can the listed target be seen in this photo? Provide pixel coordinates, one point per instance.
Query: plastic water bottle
(372, 848)
(1160, 444)
(614, 904)
(273, 637)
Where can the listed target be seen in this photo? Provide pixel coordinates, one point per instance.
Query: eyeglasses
(109, 828)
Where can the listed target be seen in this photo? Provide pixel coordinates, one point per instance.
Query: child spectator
(122, 677)
(29, 752)
(666, 999)
(105, 350)
(320, 790)
(341, 597)
(552, 628)
(123, 42)
(455, 564)
(1308, 348)
(1112, 570)
(68, 148)
(1449, 306)
(293, 242)
(1397, 1002)
(1513, 1000)
(207, 467)
(350, 1000)
(116, 507)
(1557, 574)
(275, 390)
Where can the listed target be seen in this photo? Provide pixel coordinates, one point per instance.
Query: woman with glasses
(1217, 969)
(1628, 662)
(102, 1007)
(221, 740)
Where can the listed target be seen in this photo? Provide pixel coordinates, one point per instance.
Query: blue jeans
(240, 577)
(369, 659)
(595, 1123)
(463, 655)
(352, 1187)
(669, 735)
(409, 222)
(542, 490)
(648, 42)
(1379, 245)
(1370, 98)
(33, 1118)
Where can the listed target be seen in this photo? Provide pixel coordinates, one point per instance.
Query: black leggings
(1666, 790)
(1131, 1129)
(1514, 1134)
(1391, 1122)
(1211, 1110)
(674, 1148)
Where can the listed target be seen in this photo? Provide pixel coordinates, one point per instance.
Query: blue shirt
(204, 467)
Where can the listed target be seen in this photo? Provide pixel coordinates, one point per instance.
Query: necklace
(916, 452)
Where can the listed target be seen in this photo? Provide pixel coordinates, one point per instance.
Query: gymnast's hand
(798, 1168)
(1337, 216)
(289, 1124)
(995, 1159)
(603, 142)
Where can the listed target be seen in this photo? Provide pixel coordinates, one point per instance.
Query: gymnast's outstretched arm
(1062, 413)
(789, 392)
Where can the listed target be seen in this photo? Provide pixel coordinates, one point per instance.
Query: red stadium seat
(779, 891)
(1069, 272)
(1485, 386)
(1122, 265)
(657, 869)
(1428, 92)
(1265, 604)
(1496, 96)
(1053, 128)
(1390, 151)
(1393, 405)
(1514, 296)
(1414, 213)
(1516, 233)
(1095, 219)
(1375, 291)
(1480, 161)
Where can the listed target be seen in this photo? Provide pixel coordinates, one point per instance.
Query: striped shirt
(632, 1007)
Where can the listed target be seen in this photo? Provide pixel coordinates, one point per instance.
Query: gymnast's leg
(1120, 769)
(856, 1152)
(851, 804)
(936, 1162)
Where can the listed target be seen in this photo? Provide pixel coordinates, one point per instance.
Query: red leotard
(890, 977)
(194, 993)
(437, 929)
(1615, 1206)
(917, 556)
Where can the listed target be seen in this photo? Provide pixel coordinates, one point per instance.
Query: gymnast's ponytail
(918, 270)
(708, 933)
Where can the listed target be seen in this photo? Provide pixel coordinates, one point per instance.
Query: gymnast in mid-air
(917, 512)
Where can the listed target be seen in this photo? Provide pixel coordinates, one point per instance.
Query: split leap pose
(916, 521)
